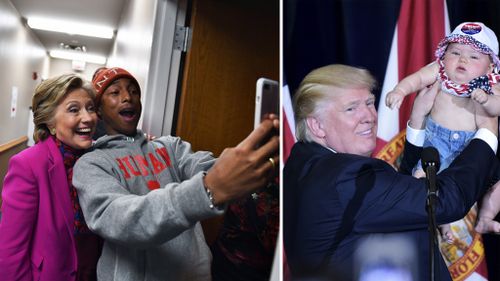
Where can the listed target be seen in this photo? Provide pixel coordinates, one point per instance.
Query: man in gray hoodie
(147, 198)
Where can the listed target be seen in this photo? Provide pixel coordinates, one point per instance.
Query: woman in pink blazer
(42, 232)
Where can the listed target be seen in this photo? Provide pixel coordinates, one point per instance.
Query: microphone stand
(431, 200)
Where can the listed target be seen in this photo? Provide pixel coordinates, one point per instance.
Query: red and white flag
(420, 27)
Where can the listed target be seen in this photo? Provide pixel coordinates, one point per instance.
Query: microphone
(430, 163)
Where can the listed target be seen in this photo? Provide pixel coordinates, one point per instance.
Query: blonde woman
(43, 235)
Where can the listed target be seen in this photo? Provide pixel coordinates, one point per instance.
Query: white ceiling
(98, 12)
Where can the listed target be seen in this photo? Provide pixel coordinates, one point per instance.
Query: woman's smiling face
(75, 119)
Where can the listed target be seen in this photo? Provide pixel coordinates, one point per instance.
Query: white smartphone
(266, 99)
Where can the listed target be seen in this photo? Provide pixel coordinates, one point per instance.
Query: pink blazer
(36, 229)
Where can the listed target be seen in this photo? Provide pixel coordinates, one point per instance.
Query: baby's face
(463, 63)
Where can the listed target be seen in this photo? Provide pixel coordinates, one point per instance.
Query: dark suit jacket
(332, 200)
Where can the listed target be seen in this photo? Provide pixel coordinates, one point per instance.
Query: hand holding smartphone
(266, 99)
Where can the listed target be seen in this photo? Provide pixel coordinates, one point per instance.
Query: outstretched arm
(460, 184)
(412, 83)
(144, 218)
(415, 130)
(243, 169)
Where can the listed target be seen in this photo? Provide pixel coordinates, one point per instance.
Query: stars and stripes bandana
(484, 82)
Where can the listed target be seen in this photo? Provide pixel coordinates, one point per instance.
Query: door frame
(164, 69)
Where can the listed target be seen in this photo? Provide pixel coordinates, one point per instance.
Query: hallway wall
(22, 57)
(23, 64)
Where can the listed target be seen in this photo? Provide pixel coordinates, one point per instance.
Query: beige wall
(21, 54)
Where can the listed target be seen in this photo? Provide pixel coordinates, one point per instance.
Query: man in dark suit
(335, 194)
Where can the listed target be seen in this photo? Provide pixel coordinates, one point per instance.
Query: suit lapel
(59, 184)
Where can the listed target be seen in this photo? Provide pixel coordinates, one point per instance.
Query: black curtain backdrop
(356, 32)
(359, 33)
(321, 32)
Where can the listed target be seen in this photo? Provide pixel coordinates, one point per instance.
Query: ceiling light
(80, 48)
(71, 27)
(74, 55)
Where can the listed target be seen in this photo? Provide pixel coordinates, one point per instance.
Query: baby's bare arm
(422, 78)
(491, 103)
(414, 82)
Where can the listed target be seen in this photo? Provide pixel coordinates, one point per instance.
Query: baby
(466, 66)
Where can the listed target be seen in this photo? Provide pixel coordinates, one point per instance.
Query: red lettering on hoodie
(142, 163)
(138, 165)
(157, 165)
(130, 167)
(163, 153)
(122, 167)
(152, 185)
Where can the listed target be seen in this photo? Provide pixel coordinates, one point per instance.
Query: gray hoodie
(146, 198)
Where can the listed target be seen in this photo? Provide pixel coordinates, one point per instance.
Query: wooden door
(234, 42)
